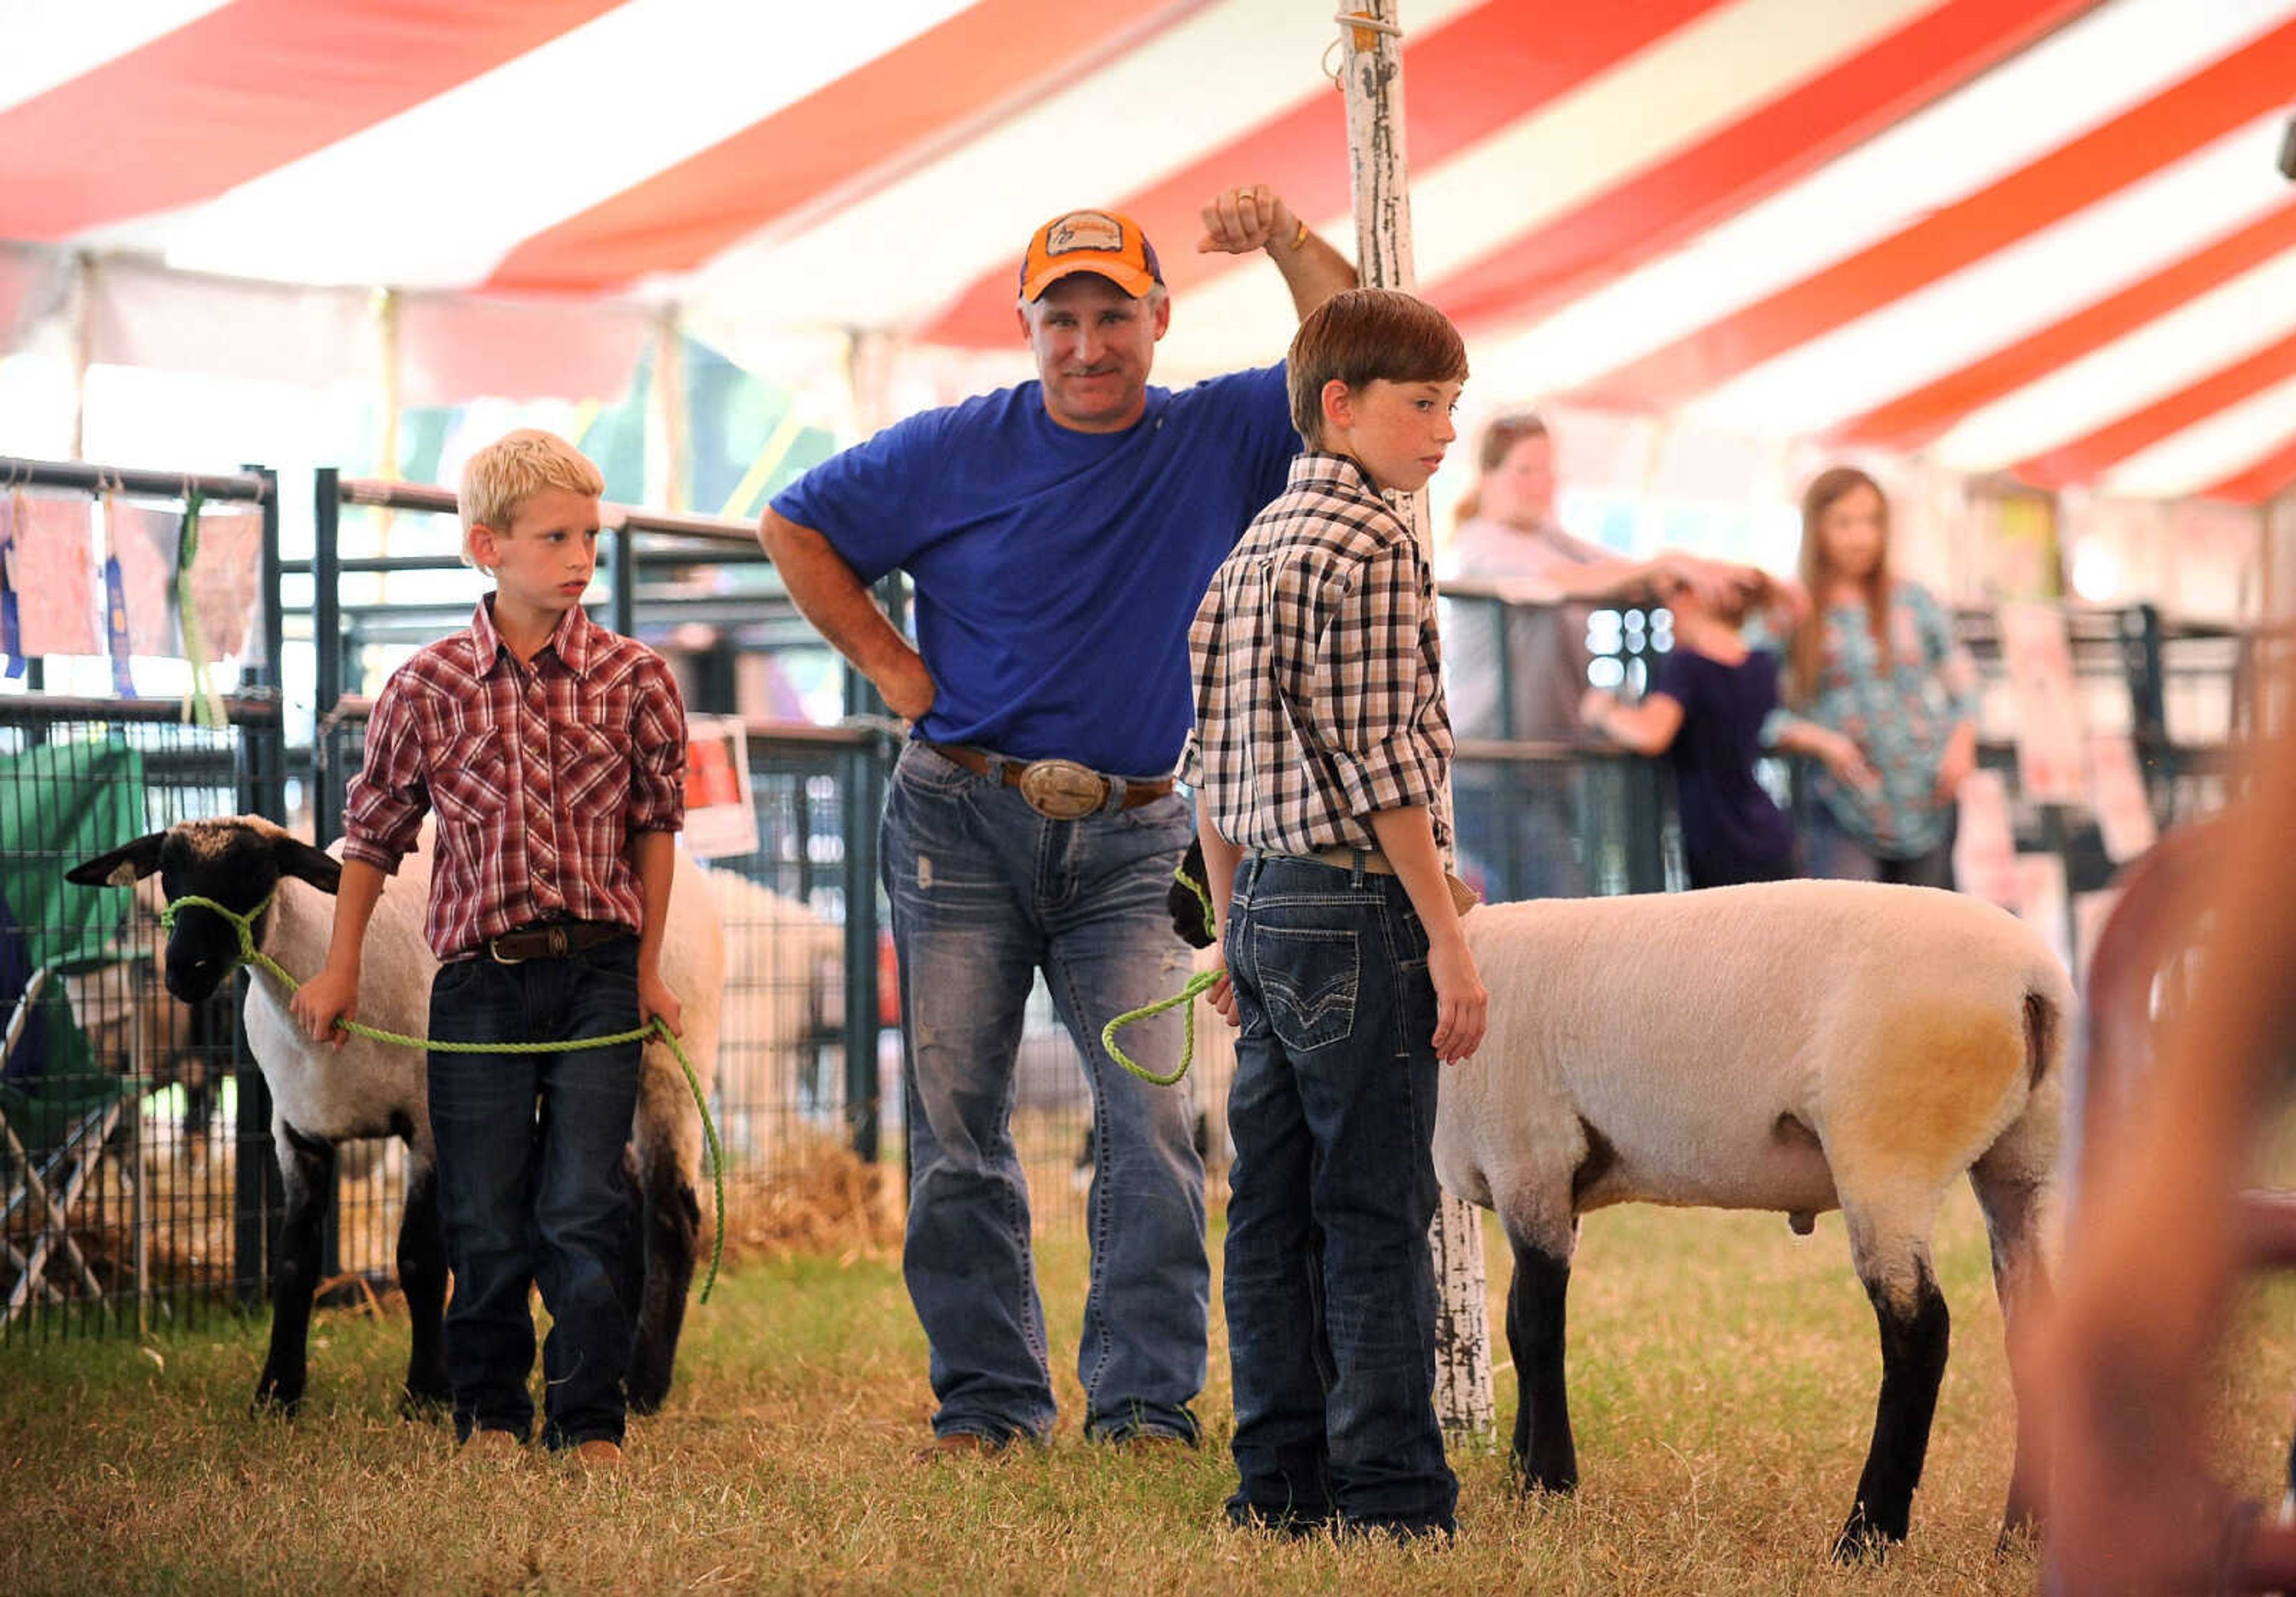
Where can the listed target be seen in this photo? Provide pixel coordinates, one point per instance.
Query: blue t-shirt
(1056, 572)
(1732, 830)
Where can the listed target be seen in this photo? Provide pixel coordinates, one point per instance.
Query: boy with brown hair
(552, 751)
(1320, 760)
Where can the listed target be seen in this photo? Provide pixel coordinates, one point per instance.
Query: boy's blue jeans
(986, 892)
(532, 1190)
(1330, 1287)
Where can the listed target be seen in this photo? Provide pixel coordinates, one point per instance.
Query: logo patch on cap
(1085, 230)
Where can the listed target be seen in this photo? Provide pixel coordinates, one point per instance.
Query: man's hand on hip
(908, 688)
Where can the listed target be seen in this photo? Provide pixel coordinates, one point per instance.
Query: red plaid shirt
(540, 773)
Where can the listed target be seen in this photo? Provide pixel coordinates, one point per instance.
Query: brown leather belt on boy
(552, 940)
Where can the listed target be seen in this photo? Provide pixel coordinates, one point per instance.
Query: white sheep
(784, 984)
(1796, 1046)
(320, 1097)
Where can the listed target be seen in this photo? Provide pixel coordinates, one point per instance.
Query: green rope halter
(250, 954)
(1202, 981)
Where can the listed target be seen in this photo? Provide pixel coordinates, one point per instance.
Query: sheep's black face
(235, 867)
(237, 861)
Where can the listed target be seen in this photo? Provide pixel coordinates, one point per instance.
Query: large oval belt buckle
(1060, 790)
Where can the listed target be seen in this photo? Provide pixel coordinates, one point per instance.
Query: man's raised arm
(1254, 216)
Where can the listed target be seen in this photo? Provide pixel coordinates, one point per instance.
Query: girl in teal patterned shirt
(1877, 660)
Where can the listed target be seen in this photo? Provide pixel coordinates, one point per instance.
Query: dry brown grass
(824, 1200)
(1722, 1377)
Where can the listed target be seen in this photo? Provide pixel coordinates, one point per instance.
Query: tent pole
(1372, 77)
(83, 346)
(386, 327)
(665, 433)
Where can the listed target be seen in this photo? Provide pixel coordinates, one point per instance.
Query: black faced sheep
(1796, 1046)
(320, 1097)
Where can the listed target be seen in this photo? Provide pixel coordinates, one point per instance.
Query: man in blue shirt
(1058, 536)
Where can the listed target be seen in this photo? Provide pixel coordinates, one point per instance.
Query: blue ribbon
(12, 629)
(115, 610)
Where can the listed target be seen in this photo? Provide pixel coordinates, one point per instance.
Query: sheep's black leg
(1543, 1450)
(671, 1224)
(1915, 1331)
(422, 1277)
(307, 1167)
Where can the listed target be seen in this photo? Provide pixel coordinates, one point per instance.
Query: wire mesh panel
(791, 1073)
(134, 1151)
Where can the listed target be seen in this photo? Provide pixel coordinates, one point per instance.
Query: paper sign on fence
(226, 574)
(2039, 659)
(721, 820)
(2124, 810)
(51, 565)
(145, 538)
(1985, 848)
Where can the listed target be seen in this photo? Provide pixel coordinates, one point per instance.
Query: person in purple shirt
(1713, 710)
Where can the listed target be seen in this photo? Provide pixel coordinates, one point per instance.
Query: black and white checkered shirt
(1319, 692)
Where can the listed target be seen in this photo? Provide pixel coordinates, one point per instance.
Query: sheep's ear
(129, 862)
(297, 857)
(1187, 910)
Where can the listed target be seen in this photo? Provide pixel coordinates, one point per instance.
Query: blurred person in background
(1876, 661)
(1528, 812)
(1711, 710)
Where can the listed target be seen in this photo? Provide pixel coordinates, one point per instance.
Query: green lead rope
(1202, 981)
(248, 953)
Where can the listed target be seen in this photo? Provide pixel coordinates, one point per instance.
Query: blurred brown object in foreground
(2188, 1009)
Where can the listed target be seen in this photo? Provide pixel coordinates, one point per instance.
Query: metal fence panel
(135, 1163)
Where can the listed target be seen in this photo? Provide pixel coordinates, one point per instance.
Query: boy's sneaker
(598, 1454)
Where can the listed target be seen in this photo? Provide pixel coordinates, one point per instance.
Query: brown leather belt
(1376, 864)
(1072, 777)
(553, 939)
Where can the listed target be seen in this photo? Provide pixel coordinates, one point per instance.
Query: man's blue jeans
(986, 892)
(532, 1190)
(1330, 1286)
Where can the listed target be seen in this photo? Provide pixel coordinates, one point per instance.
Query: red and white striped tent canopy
(2040, 235)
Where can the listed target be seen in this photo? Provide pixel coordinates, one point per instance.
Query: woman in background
(1876, 661)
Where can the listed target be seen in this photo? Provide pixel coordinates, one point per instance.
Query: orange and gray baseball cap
(1103, 242)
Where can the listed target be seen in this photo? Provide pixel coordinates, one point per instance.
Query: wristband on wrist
(1300, 237)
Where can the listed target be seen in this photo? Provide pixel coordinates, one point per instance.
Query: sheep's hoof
(1531, 1484)
(648, 1385)
(2021, 1537)
(271, 1399)
(1861, 1542)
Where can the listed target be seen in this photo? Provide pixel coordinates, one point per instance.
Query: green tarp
(59, 803)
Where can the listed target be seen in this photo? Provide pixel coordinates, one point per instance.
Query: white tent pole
(665, 431)
(1372, 75)
(83, 346)
(386, 306)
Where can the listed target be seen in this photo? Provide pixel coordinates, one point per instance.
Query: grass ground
(1722, 1378)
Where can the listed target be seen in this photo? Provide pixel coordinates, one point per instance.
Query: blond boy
(552, 752)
